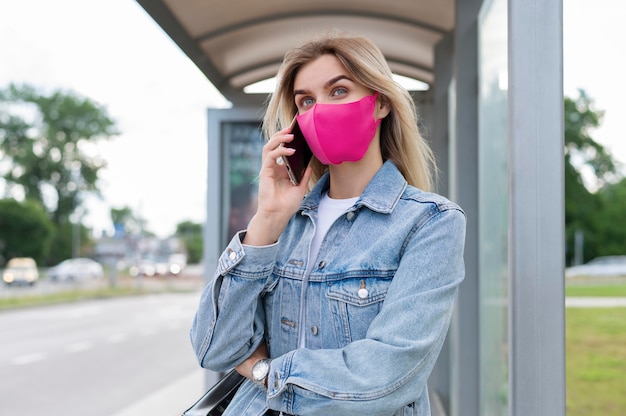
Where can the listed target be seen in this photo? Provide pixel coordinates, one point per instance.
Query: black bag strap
(215, 401)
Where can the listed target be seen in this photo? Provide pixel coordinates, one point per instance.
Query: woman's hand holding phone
(278, 197)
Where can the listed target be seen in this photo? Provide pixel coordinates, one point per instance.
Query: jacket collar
(381, 194)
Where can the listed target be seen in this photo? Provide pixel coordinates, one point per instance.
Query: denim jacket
(376, 306)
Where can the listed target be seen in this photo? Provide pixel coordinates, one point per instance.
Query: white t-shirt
(329, 210)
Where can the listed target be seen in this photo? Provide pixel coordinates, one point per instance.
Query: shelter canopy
(236, 43)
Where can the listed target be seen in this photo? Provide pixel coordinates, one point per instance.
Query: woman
(337, 301)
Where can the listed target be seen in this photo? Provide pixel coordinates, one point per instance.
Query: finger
(277, 139)
(277, 156)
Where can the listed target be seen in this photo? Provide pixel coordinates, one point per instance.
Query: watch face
(260, 370)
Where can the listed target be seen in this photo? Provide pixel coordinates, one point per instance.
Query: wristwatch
(260, 370)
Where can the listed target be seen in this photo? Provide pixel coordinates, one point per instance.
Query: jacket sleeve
(390, 366)
(229, 323)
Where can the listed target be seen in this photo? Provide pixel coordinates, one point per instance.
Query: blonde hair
(400, 139)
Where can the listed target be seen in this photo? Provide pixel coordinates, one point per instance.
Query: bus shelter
(490, 96)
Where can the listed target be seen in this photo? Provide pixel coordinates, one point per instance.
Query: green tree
(581, 151)
(611, 223)
(191, 235)
(25, 230)
(47, 143)
(63, 241)
(588, 168)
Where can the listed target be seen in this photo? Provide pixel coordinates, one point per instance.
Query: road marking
(79, 346)
(29, 358)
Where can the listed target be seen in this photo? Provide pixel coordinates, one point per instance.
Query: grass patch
(50, 294)
(596, 361)
(599, 286)
(68, 296)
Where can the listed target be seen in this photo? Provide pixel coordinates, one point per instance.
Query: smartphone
(297, 163)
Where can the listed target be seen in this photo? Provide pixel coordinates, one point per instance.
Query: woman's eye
(339, 92)
(307, 102)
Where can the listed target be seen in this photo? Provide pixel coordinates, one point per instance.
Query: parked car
(76, 269)
(177, 263)
(161, 267)
(145, 267)
(600, 266)
(20, 270)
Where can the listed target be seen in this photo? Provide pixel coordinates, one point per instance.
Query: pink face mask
(338, 133)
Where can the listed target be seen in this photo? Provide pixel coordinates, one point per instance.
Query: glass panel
(242, 144)
(493, 208)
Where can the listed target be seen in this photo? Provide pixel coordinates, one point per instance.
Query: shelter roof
(236, 43)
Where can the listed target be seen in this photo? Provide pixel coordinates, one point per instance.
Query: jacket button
(314, 330)
(231, 254)
(363, 292)
(350, 215)
(321, 264)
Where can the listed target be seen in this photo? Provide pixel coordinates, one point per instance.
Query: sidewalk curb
(595, 302)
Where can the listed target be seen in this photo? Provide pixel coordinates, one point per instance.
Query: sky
(112, 52)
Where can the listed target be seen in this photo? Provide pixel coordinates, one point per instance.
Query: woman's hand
(278, 198)
(245, 368)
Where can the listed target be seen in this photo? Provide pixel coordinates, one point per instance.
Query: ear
(383, 108)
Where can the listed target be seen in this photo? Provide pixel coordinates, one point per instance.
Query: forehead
(318, 72)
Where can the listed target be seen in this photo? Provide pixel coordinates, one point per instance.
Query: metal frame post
(536, 296)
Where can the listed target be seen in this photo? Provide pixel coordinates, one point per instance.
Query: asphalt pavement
(175, 397)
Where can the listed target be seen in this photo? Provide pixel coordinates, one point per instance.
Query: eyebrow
(328, 83)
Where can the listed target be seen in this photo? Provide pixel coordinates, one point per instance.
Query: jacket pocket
(355, 302)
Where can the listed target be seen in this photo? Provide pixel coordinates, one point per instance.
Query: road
(94, 357)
